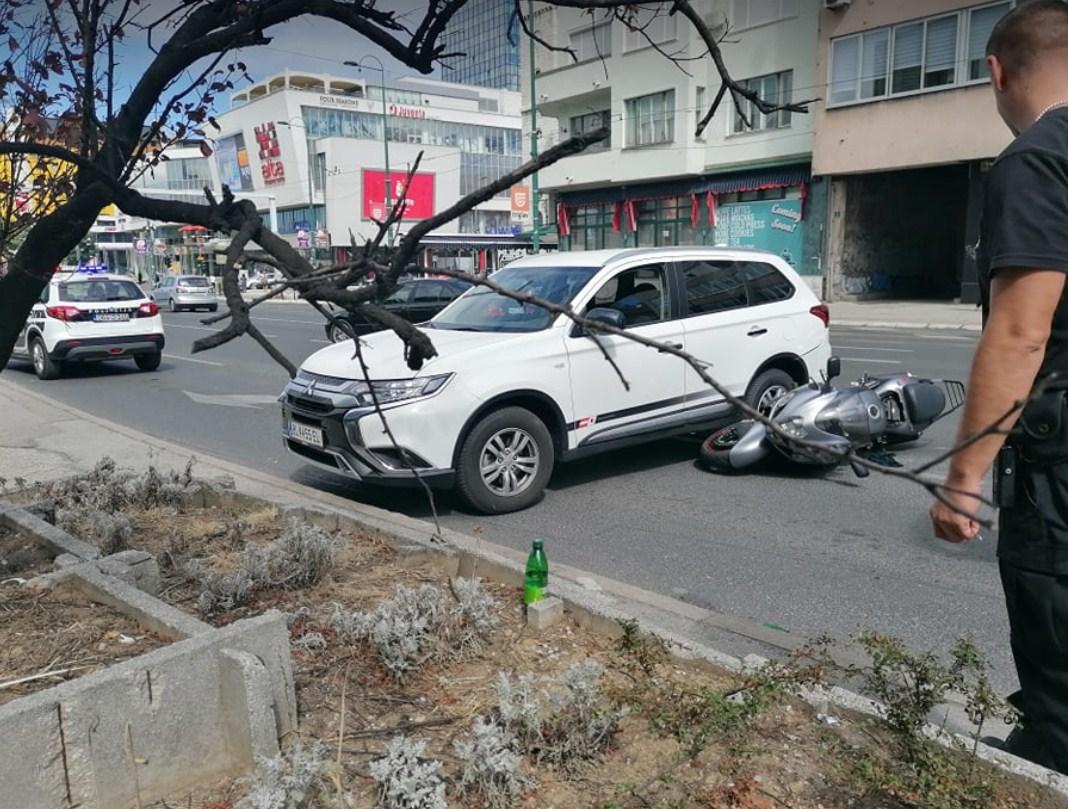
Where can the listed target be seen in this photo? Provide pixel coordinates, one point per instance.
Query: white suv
(90, 317)
(514, 389)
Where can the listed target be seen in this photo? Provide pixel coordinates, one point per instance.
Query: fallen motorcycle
(821, 424)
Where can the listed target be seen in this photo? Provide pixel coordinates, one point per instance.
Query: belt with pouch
(1041, 434)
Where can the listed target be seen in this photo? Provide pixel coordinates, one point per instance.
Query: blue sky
(307, 43)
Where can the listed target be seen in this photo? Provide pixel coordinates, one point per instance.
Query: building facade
(655, 181)
(904, 136)
(317, 145)
(488, 34)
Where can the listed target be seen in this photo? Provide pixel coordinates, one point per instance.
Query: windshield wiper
(459, 328)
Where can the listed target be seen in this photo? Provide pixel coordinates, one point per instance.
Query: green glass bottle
(536, 582)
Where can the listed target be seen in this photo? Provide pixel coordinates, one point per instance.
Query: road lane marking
(253, 401)
(286, 320)
(192, 359)
(203, 328)
(873, 348)
(869, 359)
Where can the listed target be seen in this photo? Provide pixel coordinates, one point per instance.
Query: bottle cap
(538, 544)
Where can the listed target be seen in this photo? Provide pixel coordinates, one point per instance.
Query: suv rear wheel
(505, 461)
(148, 362)
(43, 365)
(767, 387)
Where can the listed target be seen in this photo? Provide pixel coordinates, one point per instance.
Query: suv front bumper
(95, 349)
(343, 452)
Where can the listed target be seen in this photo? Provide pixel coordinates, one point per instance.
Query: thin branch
(529, 31)
(936, 487)
(401, 453)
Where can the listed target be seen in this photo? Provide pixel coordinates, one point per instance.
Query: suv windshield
(98, 290)
(482, 309)
(193, 281)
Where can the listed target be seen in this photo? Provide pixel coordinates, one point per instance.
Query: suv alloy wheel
(505, 461)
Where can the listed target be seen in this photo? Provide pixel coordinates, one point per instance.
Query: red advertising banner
(418, 197)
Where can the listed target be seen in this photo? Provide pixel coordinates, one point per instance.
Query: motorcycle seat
(924, 402)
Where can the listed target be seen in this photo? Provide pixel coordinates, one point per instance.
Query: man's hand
(953, 525)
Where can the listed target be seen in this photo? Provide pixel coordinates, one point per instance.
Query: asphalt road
(806, 554)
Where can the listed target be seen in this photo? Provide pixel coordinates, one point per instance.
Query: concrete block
(249, 718)
(151, 613)
(137, 568)
(168, 720)
(47, 534)
(543, 614)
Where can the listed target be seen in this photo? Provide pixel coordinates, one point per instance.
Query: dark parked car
(416, 300)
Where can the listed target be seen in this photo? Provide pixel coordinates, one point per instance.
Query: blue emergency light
(92, 268)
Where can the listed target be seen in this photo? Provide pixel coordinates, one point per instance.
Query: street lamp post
(534, 202)
(314, 224)
(385, 131)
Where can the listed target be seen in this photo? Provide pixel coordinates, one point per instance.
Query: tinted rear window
(766, 284)
(713, 286)
(99, 290)
(193, 281)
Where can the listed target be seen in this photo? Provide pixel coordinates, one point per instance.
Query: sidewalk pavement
(906, 315)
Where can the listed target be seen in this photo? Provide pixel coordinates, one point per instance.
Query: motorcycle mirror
(834, 367)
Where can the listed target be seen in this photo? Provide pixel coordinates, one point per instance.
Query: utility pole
(534, 202)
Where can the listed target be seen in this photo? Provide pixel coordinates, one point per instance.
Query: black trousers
(1038, 619)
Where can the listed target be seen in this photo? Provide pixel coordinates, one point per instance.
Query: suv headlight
(388, 391)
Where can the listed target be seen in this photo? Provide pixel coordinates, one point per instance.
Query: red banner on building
(418, 198)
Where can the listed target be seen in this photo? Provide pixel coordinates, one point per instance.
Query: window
(485, 310)
(928, 54)
(776, 88)
(908, 57)
(940, 62)
(651, 119)
(591, 122)
(655, 26)
(400, 295)
(713, 286)
(99, 290)
(981, 22)
(748, 13)
(427, 292)
(640, 295)
(766, 284)
(699, 110)
(592, 43)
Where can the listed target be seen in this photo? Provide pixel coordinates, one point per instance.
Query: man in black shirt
(1023, 260)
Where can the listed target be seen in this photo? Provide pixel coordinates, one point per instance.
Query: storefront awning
(774, 177)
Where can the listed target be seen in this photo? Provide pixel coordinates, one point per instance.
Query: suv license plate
(306, 434)
(108, 317)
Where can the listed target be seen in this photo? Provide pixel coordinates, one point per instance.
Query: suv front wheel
(505, 461)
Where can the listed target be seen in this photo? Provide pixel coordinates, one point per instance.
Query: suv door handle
(756, 331)
(676, 346)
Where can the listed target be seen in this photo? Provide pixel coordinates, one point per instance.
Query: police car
(89, 316)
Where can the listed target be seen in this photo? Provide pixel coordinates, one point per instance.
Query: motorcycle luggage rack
(955, 393)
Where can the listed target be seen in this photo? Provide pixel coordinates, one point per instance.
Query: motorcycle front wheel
(716, 449)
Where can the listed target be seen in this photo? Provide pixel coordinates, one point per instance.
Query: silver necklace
(1050, 108)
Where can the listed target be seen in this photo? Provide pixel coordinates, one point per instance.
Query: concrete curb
(905, 324)
(595, 602)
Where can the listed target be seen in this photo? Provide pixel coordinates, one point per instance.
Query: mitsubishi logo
(310, 390)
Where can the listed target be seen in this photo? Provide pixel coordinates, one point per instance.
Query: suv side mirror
(834, 367)
(610, 317)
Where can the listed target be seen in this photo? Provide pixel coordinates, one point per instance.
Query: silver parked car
(178, 292)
